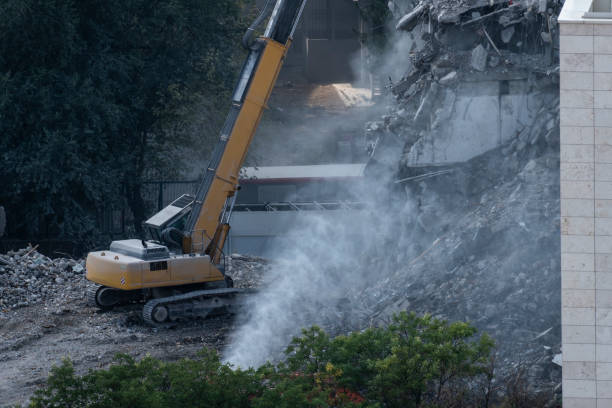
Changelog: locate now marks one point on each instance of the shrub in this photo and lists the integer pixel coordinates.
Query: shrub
(416, 361)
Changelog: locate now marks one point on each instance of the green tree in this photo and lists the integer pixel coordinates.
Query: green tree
(426, 356)
(356, 355)
(96, 95)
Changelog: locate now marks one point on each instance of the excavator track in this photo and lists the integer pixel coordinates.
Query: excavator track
(200, 303)
(106, 298)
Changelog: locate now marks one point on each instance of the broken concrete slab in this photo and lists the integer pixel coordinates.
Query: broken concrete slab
(510, 8)
(448, 78)
(410, 20)
(506, 34)
(426, 103)
(479, 58)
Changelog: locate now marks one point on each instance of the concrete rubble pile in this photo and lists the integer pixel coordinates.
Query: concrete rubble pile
(28, 277)
(484, 228)
(485, 248)
(247, 271)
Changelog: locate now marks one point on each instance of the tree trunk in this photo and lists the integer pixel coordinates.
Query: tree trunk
(134, 188)
(136, 203)
(2, 221)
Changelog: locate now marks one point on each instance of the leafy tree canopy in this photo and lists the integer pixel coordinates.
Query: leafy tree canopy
(96, 95)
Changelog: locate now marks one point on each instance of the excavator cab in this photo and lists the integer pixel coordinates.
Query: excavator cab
(167, 225)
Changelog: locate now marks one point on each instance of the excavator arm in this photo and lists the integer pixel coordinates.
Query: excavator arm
(208, 224)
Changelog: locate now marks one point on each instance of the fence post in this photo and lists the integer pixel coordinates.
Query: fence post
(160, 198)
(2, 221)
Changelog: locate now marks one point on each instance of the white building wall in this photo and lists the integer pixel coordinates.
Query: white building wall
(586, 208)
(265, 233)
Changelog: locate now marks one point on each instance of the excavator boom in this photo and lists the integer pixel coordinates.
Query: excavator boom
(203, 230)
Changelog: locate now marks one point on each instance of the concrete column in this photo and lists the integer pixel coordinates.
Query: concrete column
(586, 213)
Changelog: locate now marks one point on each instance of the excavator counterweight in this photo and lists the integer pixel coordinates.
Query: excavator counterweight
(179, 272)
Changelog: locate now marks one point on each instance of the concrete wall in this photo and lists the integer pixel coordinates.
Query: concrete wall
(586, 213)
(264, 233)
(474, 118)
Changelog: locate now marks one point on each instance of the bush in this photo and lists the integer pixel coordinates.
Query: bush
(417, 361)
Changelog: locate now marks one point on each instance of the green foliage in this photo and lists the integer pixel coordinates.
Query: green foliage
(426, 356)
(417, 361)
(96, 95)
(414, 362)
(149, 383)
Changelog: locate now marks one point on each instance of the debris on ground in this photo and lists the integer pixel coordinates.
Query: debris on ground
(478, 96)
(44, 318)
(247, 271)
(28, 277)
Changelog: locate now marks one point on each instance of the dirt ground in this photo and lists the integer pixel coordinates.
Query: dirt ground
(33, 339)
(56, 323)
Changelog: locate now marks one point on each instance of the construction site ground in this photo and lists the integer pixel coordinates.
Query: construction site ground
(39, 335)
(36, 338)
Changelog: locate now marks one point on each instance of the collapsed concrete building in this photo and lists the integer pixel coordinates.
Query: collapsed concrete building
(507, 97)
(477, 75)
(473, 136)
(461, 215)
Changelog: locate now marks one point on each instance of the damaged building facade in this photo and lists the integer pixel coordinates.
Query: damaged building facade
(474, 126)
(586, 202)
(477, 77)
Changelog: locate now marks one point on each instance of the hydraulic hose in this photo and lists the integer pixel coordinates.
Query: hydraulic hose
(247, 39)
(168, 238)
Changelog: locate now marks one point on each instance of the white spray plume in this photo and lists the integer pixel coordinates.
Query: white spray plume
(326, 260)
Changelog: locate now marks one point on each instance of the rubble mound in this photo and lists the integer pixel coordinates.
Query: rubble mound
(487, 252)
(247, 271)
(474, 126)
(28, 277)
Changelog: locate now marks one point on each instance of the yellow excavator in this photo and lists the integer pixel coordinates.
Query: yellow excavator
(180, 271)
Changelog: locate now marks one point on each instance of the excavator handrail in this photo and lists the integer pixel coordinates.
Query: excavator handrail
(205, 245)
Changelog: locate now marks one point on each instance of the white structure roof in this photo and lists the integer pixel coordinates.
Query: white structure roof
(319, 171)
(574, 12)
